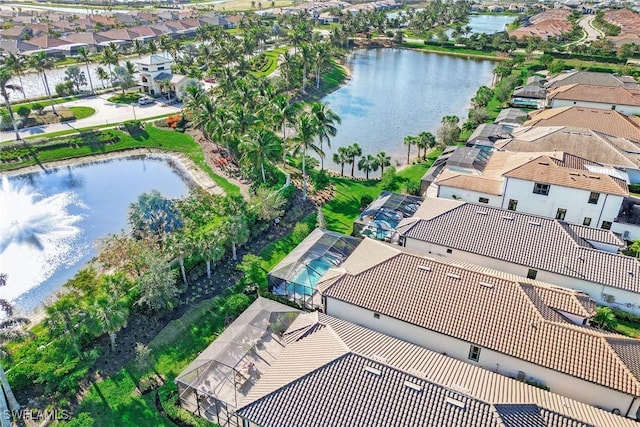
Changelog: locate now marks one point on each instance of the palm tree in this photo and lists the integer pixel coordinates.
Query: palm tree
(5, 76)
(341, 157)
(139, 47)
(10, 330)
(324, 120)
(109, 57)
(605, 318)
(41, 63)
(368, 164)
(321, 57)
(259, 147)
(102, 75)
(84, 56)
(110, 314)
(409, 141)
(383, 161)
(17, 64)
(303, 142)
(210, 246)
(427, 140)
(353, 151)
(236, 231)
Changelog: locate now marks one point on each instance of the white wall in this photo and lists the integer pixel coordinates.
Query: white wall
(624, 300)
(622, 228)
(559, 383)
(446, 192)
(574, 200)
(625, 109)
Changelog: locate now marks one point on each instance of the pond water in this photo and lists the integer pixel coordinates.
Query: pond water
(50, 222)
(489, 24)
(395, 92)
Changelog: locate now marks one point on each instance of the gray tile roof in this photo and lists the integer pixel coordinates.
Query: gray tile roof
(478, 308)
(528, 240)
(589, 78)
(343, 387)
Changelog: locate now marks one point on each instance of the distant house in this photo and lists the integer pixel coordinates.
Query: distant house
(619, 98)
(507, 324)
(590, 78)
(574, 256)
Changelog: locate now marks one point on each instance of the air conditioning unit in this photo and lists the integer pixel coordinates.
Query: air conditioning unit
(608, 298)
(521, 376)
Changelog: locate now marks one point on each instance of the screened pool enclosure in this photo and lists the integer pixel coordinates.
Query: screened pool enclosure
(296, 276)
(380, 219)
(217, 381)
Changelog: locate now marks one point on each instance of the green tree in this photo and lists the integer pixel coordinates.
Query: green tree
(75, 77)
(260, 147)
(83, 56)
(153, 215)
(368, 164)
(268, 204)
(5, 76)
(324, 121)
(17, 64)
(122, 78)
(303, 142)
(253, 272)
(383, 161)
(236, 230)
(605, 319)
(43, 63)
(102, 75)
(409, 140)
(353, 151)
(110, 313)
(482, 97)
(157, 284)
(634, 248)
(340, 157)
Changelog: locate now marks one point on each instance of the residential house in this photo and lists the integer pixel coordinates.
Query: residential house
(519, 328)
(390, 381)
(513, 117)
(570, 255)
(156, 78)
(608, 122)
(485, 135)
(16, 33)
(550, 23)
(626, 101)
(469, 159)
(531, 95)
(590, 78)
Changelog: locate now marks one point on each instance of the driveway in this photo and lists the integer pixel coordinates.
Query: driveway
(106, 113)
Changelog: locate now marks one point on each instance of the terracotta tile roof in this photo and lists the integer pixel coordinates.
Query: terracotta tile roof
(384, 400)
(591, 78)
(45, 42)
(119, 34)
(545, 170)
(596, 146)
(87, 38)
(599, 94)
(479, 310)
(528, 240)
(609, 122)
(471, 182)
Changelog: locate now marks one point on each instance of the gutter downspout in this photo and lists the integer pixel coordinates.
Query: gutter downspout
(631, 406)
(602, 209)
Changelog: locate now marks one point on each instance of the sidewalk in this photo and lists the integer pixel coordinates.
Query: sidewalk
(106, 113)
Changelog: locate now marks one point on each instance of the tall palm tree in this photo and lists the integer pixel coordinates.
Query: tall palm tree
(17, 64)
(259, 147)
(428, 140)
(42, 63)
(368, 164)
(383, 161)
(341, 157)
(324, 120)
(321, 57)
(210, 246)
(353, 151)
(303, 142)
(409, 140)
(139, 47)
(236, 231)
(110, 314)
(109, 57)
(102, 75)
(83, 55)
(5, 76)
(10, 330)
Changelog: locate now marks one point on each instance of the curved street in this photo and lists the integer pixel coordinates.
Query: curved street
(591, 33)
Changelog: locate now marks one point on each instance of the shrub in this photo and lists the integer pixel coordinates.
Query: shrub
(389, 180)
(320, 180)
(300, 231)
(172, 121)
(37, 107)
(365, 201)
(23, 111)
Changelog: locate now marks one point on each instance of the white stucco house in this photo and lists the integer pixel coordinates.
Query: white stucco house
(511, 325)
(553, 251)
(156, 78)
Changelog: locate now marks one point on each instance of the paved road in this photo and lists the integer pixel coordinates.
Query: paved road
(106, 113)
(590, 32)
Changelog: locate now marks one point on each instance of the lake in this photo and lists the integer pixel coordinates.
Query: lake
(396, 92)
(65, 211)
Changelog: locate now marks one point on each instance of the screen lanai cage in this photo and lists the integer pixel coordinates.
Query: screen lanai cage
(296, 276)
(215, 383)
(380, 219)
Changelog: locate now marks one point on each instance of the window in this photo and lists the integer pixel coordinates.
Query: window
(145, 68)
(483, 200)
(606, 225)
(542, 189)
(449, 251)
(561, 214)
(587, 221)
(513, 204)
(593, 198)
(160, 68)
(531, 274)
(474, 353)
(376, 315)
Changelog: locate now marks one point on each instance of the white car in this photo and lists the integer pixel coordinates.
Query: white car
(146, 100)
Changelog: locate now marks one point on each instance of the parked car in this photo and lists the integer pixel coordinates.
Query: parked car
(146, 100)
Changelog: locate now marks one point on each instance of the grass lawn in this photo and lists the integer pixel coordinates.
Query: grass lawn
(126, 98)
(334, 77)
(82, 112)
(450, 51)
(272, 56)
(275, 251)
(630, 329)
(44, 102)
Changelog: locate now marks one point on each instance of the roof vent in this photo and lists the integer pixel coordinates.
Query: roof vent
(460, 404)
(543, 163)
(509, 218)
(486, 285)
(453, 276)
(373, 371)
(534, 223)
(482, 212)
(424, 268)
(413, 386)
(630, 273)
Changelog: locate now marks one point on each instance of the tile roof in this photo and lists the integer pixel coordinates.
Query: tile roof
(609, 122)
(599, 94)
(584, 142)
(359, 396)
(545, 170)
(528, 240)
(589, 78)
(471, 182)
(479, 310)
